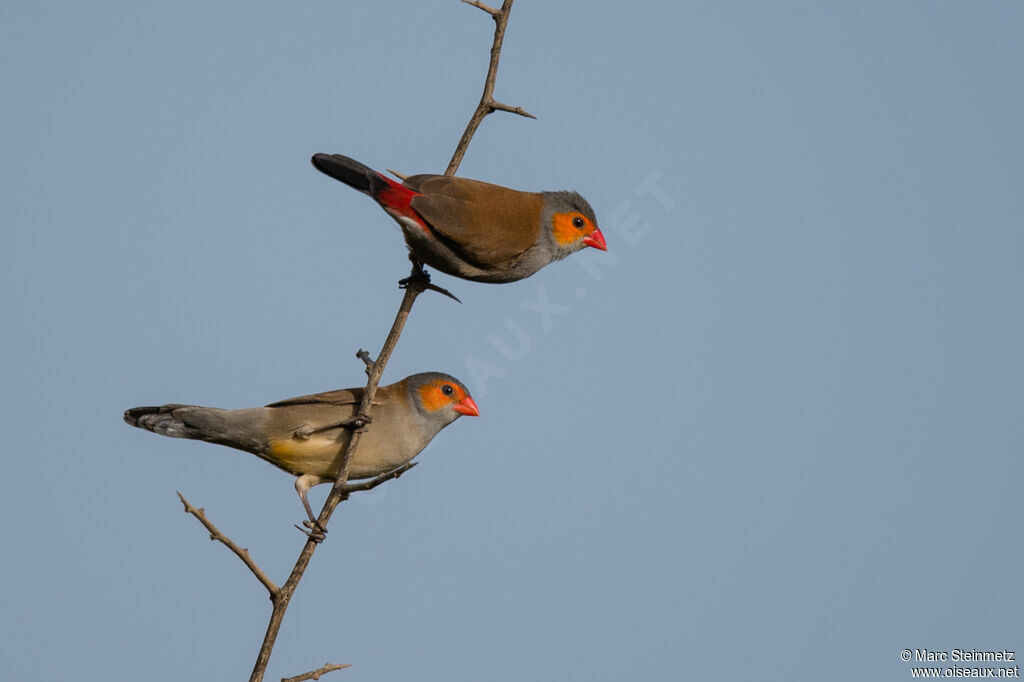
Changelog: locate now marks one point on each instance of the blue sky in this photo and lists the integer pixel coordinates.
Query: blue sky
(775, 432)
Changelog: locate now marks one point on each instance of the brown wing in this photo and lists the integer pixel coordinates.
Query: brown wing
(342, 396)
(493, 225)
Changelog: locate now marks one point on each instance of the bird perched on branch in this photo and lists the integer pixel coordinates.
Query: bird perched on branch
(306, 436)
(472, 229)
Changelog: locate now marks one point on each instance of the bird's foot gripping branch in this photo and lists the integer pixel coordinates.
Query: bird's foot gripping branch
(420, 279)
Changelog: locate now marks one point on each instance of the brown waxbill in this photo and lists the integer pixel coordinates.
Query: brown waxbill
(305, 435)
(472, 229)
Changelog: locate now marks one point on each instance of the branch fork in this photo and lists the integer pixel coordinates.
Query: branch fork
(414, 285)
(240, 552)
(488, 105)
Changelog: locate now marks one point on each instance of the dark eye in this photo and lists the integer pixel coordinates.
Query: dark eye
(447, 389)
(578, 223)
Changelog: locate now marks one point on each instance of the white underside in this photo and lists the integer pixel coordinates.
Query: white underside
(405, 221)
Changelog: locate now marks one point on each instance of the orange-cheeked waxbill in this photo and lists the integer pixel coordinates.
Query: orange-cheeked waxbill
(304, 436)
(472, 229)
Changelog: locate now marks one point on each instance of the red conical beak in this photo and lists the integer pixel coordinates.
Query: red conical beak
(467, 407)
(596, 239)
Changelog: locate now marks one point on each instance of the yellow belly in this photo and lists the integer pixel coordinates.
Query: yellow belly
(316, 456)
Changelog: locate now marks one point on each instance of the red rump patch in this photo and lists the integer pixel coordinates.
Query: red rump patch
(396, 199)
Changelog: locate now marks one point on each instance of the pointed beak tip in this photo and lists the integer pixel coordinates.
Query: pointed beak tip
(596, 240)
(467, 406)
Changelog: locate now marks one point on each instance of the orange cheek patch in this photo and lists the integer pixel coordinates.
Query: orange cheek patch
(432, 398)
(563, 230)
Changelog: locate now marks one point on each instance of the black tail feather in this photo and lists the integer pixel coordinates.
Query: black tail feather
(351, 172)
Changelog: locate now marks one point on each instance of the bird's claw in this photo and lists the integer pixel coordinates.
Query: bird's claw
(421, 278)
(357, 421)
(313, 530)
(418, 274)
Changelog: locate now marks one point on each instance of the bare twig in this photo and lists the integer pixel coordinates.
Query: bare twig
(315, 674)
(479, 5)
(498, 106)
(488, 104)
(374, 482)
(442, 291)
(240, 552)
(414, 285)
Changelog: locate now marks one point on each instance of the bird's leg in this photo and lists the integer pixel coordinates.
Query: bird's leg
(316, 532)
(419, 274)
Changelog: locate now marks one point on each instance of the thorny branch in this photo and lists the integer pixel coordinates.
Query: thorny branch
(339, 491)
(488, 104)
(414, 285)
